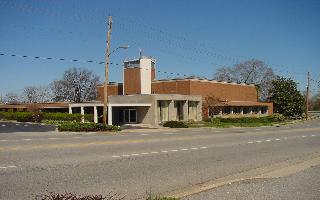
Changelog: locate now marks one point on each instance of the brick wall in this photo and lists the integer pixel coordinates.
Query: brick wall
(112, 90)
(132, 81)
(224, 91)
(171, 87)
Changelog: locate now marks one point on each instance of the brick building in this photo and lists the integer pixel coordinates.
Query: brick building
(141, 98)
(139, 77)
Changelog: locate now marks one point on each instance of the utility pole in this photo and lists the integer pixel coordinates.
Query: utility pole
(106, 81)
(307, 96)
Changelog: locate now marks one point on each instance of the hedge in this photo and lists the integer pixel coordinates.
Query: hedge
(266, 119)
(39, 116)
(175, 124)
(86, 127)
(66, 117)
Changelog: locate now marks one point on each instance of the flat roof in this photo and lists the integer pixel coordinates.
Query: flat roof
(201, 80)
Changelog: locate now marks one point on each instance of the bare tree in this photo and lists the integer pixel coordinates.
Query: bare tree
(77, 85)
(251, 72)
(33, 94)
(213, 105)
(12, 98)
(225, 74)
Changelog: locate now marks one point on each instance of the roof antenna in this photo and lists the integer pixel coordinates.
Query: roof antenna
(140, 53)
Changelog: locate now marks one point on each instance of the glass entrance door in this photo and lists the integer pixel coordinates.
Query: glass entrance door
(130, 115)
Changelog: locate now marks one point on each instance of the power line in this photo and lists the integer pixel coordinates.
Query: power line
(51, 58)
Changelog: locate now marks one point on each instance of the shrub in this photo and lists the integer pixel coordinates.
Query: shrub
(266, 119)
(215, 121)
(67, 117)
(71, 196)
(276, 117)
(86, 127)
(175, 124)
(39, 116)
(21, 116)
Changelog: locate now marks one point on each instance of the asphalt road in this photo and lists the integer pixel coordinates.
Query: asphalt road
(11, 127)
(135, 162)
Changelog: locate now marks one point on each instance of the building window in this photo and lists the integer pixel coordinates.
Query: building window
(236, 110)
(255, 110)
(129, 115)
(246, 110)
(264, 110)
(163, 110)
(226, 110)
(178, 106)
(192, 110)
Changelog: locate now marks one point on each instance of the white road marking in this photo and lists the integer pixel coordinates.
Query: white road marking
(53, 138)
(156, 152)
(3, 140)
(250, 142)
(26, 125)
(313, 135)
(257, 129)
(17, 124)
(268, 140)
(303, 136)
(10, 166)
(277, 139)
(144, 134)
(27, 139)
(3, 125)
(168, 133)
(258, 141)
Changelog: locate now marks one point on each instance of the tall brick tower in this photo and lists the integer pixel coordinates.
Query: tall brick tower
(137, 75)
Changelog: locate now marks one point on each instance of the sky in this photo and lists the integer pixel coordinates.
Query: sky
(189, 37)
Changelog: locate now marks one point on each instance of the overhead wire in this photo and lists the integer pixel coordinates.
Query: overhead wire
(84, 61)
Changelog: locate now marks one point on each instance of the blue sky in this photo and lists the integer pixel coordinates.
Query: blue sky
(186, 37)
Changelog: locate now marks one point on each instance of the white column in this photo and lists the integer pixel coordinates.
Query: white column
(109, 115)
(70, 109)
(185, 111)
(231, 110)
(172, 112)
(82, 113)
(241, 110)
(95, 114)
